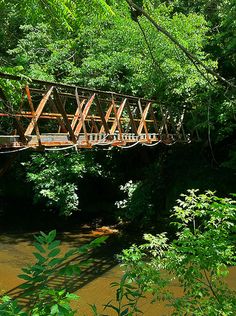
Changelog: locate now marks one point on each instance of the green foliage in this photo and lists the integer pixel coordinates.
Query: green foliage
(42, 54)
(54, 302)
(141, 203)
(126, 292)
(132, 207)
(221, 15)
(9, 307)
(198, 258)
(127, 298)
(55, 175)
(44, 298)
(225, 38)
(118, 57)
(111, 54)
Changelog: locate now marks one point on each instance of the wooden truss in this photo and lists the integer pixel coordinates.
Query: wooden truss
(54, 115)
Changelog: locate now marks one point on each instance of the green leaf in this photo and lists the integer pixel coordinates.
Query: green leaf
(72, 296)
(112, 307)
(40, 239)
(84, 249)
(39, 247)
(54, 244)
(76, 269)
(98, 241)
(25, 277)
(54, 309)
(86, 263)
(39, 278)
(26, 270)
(25, 285)
(54, 262)
(40, 258)
(5, 298)
(54, 252)
(43, 234)
(94, 309)
(70, 253)
(67, 271)
(51, 236)
(63, 310)
(37, 268)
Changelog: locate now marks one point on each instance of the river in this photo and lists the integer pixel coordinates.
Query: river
(93, 286)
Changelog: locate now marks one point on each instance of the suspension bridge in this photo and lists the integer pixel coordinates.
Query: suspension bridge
(57, 115)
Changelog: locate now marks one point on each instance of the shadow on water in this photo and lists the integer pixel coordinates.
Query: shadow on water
(20, 221)
(103, 260)
(74, 238)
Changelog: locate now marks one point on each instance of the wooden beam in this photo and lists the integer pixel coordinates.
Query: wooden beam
(143, 121)
(101, 114)
(38, 112)
(62, 111)
(118, 114)
(59, 118)
(34, 120)
(107, 116)
(77, 113)
(132, 121)
(84, 115)
(80, 112)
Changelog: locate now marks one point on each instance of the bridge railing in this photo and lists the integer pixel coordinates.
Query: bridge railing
(52, 115)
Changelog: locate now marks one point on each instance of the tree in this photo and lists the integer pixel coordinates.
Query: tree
(55, 178)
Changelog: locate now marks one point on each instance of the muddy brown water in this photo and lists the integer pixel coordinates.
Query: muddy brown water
(93, 286)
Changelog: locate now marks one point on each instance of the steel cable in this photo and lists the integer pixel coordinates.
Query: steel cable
(14, 151)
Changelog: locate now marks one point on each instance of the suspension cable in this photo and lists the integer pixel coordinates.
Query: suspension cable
(130, 146)
(152, 145)
(14, 151)
(62, 148)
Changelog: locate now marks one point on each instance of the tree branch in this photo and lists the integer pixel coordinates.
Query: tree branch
(190, 56)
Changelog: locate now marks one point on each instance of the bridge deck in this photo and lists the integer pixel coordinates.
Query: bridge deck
(94, 139)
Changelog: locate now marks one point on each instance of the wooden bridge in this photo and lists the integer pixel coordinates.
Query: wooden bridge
(59, 115)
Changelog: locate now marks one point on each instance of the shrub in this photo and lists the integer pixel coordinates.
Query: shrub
(198, 258)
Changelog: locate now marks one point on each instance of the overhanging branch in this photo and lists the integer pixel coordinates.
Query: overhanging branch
(189, 55)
